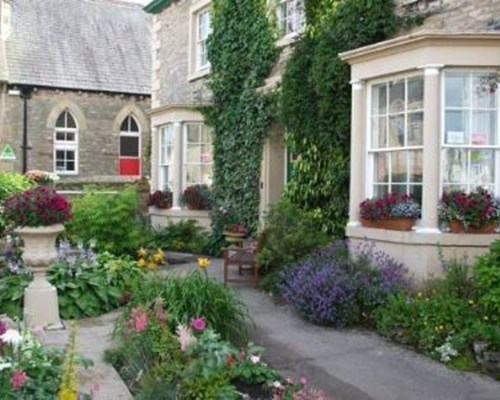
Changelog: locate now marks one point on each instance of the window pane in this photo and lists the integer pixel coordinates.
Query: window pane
(70, 121)
(484, 127)
(70, 166)
(456, 127)
(379, 99)
(415, 93)
(133, 125)
(397, 96)
(70, 155)
(396, 131)
(129, 146)
(193, 133)
(416, 193)
(457, 89)
(60, 136)
(415, 129)
(381, 173)
(415, 165)
(455, 166)
(380, 190)
(482, 164)
(61, 123)
(399, 189)
(379, 132)
(125, 125)
(399, 166)
(483, 97)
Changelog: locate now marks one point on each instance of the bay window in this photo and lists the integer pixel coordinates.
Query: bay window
(396, 137)
(470, 138)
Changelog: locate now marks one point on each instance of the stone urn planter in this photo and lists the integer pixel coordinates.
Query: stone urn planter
(395, 224)
(41, 307)
(457, 226)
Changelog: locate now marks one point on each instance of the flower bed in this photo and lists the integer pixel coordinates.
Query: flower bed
(172, 348)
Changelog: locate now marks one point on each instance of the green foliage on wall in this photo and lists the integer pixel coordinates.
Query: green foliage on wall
(315, 102)
(242, 53)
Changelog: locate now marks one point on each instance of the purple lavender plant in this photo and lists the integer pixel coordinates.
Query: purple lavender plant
(332, 287)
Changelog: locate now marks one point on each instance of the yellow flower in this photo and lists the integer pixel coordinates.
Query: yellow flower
(152, 265)
(142, 252)
(441, 327)
(203, 262)
(486, 318)
(471, 302)
(141, 263)
(159, 256)
(419, 294)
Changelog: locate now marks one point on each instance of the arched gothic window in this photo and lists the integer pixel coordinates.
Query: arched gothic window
(66, 144)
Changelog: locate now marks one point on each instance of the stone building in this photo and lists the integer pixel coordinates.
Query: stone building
(425, 119)
(181, 141)
(78, 72)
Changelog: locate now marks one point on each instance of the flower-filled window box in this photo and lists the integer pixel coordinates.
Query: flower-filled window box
(474, 212)
(197, 197)
(161, 199)
(392, 211)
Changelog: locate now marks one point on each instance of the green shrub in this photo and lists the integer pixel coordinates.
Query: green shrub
(109, 220)
(289, 234)
(86, 287)
(10, 183)
(197, 295)
(487, 280)
(181, 236)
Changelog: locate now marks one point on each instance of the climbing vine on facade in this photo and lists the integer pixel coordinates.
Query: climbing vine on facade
(315, 102)
(242, 53)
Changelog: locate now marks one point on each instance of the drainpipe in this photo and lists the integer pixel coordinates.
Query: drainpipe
(25, 95)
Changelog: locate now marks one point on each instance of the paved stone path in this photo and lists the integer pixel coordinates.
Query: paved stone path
(349, 364)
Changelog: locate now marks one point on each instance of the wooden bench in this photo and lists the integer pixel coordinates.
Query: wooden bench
(244, 258)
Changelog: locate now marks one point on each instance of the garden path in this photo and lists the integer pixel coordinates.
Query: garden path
(352, 364)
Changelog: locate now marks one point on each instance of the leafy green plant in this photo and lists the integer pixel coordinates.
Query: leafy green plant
(487, 281)
(108, 220)
(289, 234)
(11, 294)
(185, 235)
(315, 102)
(242, 52)
(10, 183)
(196, 295)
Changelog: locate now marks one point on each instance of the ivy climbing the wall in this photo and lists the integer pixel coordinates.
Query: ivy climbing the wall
(242, 53)
(315, 102)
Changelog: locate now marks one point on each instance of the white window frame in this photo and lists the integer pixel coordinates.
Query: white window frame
(201, 41)
(298, 19)
(130, 133)
(163, 163)
(195, 70)
(469, 146)
(66, 145)
(185, 162)
(370, 152)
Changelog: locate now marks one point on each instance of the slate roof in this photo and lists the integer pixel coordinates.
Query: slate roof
(100, 45)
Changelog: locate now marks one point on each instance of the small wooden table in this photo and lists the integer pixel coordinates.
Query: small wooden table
(244, 258)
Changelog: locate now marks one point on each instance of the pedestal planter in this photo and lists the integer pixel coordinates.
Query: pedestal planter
(41, 308)
(457, 226)
(396, 224)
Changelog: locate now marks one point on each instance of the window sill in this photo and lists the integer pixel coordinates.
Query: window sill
(289, 39)
(198, 74)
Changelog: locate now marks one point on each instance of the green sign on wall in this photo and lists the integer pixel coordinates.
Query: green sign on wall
(7, 153)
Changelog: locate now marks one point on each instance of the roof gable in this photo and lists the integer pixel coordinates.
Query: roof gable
(80, 44)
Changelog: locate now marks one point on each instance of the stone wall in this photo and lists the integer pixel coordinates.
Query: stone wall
(171, 58)
(450, 16)
(98, 116)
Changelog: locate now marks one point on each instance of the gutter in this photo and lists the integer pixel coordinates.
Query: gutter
(156, 6)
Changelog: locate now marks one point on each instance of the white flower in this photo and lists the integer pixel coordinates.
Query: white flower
(255, 359)
(12, 337)
(5, 366)
(277, 385)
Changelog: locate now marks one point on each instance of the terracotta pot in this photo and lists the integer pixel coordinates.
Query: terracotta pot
(395, 224)
(457, 226)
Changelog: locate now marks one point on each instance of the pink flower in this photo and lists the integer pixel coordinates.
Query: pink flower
(198, 324)
(138, 320)
(17, 379)
(185, 337)
(161, 316)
